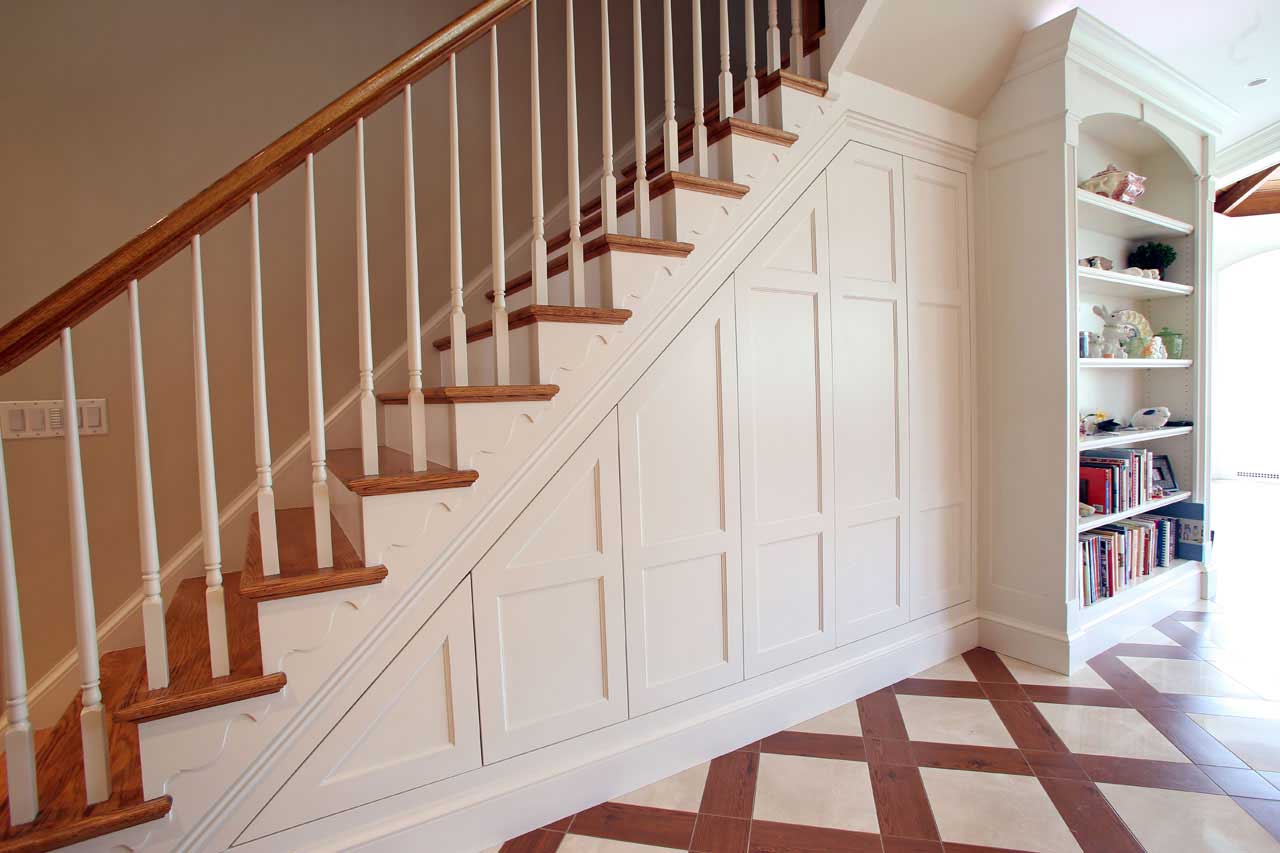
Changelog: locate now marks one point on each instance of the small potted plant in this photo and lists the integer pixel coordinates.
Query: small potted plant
(1157, 256)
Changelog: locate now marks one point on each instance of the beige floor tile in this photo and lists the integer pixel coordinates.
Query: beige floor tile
(586, 844)
(816, 792)
(682, 792)
(1183, 821)
(1256, 742)
(840, 721)
(1121, 732)
(945, 720)
(1152, 637)
(954, 669)
(1186, 676)
(1029, 673)
(996, 810)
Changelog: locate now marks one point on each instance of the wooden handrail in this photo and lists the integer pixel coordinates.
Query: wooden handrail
(40, 325)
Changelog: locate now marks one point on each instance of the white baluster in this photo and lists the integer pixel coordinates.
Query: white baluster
(751, 86)
(457, 313)
(501, 344)
(608, 181)
(670, 130)
(773, 40)
(153, 632)
(797, 37)
(538, 245)
(315, 386)
(413, 316)
(640, 190)
(214, 599)
(267, 541)
(19, 740)
(577, 271)
(699, 98)
(726, 74)
(368, 405)
(93, 716)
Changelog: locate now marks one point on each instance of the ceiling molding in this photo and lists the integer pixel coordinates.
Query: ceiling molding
(1240, 159)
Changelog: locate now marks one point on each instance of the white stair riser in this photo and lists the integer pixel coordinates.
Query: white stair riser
(789, 109)
(743, 160)
(689, 216)
(457, 432)
(537, 351)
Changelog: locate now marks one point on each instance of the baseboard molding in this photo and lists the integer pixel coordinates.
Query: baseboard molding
(1024, 641)
(483, 808)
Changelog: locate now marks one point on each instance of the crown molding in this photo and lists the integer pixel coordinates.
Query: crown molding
(1256, 151)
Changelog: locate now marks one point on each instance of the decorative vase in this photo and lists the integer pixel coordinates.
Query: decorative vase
(1172, 342)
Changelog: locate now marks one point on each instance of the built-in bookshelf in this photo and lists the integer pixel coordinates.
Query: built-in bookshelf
(1109, 283)
(1124, 438)
(1090, 522)
(1134, 363)
(1127, 221)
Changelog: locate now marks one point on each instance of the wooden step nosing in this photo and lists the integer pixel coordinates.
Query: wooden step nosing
(87, 828)
(668, 181)
(531, 314)
(739, 127)
(636, 245)
(205, 696)
(473, 394)
(419, 481)
(293, 586)
(790, 80)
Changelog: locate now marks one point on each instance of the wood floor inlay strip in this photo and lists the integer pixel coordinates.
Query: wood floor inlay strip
(1096, 827)
(730, 790)
(881, 716)
(637, 824)
(902, 805)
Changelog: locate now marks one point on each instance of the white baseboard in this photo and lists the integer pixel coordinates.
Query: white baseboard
(483, 808)
(1021, 640)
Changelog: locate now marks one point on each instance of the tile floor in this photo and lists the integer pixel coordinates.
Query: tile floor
(1169, 741)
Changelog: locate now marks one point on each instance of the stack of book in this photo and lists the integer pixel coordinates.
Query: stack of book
(1115, 556)
(1116, 479)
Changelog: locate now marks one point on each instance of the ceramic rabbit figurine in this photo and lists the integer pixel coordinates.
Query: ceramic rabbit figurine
(1114, 333)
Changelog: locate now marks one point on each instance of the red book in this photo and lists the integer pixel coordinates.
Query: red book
(1095, 488)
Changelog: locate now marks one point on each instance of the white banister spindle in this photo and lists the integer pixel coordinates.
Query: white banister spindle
(501, 343)
(750, 85)
(608, 181)
(413, 316)
(699, 97)
(214, 599)
(266, 497)
(797, 37)
(19, 739)
(670, 130)
(537, 245)
(577, 267)
(640, 189)
(368, 405)
(153, 632)
(93, 716)
(315, 386)
(457, 313)
(726, 74)
(773, 40)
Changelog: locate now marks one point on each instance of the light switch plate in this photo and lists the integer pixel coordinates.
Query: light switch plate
(47, 419)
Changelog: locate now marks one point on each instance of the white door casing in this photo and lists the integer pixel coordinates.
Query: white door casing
(869, 380)
(678, 446)
(941, 411)
(417, 724)
(549, 610)
(784, 387)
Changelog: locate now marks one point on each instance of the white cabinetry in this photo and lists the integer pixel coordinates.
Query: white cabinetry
(869, 349)
(678, 445)
(784, 384)
(549, 614)
(941, 407)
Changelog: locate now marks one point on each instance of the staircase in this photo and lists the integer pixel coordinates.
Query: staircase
(433, 455)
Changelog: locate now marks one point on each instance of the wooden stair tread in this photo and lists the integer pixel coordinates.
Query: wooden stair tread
(600, 245)
(476, 394)
(395, 473)
(191, 682)
(668, 181)
(531, 314)
(783, 77)
(741, 127)
(299, 574)
(64, 817)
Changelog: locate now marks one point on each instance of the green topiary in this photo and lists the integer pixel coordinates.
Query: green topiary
(1153, 256)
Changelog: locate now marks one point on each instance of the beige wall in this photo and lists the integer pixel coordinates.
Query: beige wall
(121, 111)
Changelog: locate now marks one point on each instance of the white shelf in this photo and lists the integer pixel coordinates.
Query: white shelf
(1092, 521)
(1098, 213)
(1110, 283)
(1134, 363)
(1120, 439)
(1162, 576)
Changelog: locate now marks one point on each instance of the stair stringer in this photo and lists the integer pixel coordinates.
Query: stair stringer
(330, 669)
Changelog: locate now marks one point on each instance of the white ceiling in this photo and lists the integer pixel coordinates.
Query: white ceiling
(955, 52)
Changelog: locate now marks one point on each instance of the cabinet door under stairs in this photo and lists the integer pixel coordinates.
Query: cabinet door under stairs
(548, 610)
(784, 386)
(678, 442)
(869, 351)
(937, 233)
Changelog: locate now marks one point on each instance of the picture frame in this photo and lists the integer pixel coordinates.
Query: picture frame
(1162, 474)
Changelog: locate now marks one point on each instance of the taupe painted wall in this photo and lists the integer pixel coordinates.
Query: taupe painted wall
(118, 112)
